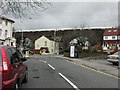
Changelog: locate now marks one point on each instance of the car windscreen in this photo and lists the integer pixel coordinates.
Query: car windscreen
(117, 53)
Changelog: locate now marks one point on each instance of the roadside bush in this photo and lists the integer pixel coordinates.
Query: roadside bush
(67, 50)
(79, 48)
(85, 51)
(99, 48)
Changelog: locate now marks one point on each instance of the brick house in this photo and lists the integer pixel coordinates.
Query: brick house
(111, 39)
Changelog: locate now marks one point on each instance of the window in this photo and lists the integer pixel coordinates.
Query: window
(13, 50)
(5, 33)
(11, 43)
(6, 22)
(115, 31)
(52, 50)
(106, 37)
(15, 58)
(10, 53)
(113, 44)
(113, 37)
(19, 54)
(52, 44)
(45, 43)
(105, 44)
(14, 55)
(0, 20)
(2, 43)
(0, 32)
(109, 30)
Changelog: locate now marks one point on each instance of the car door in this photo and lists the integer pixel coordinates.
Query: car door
(14, 63)
(22, 65)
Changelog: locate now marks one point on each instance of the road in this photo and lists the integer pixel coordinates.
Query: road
(49, 72)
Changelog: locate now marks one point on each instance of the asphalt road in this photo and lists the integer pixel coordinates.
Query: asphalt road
(50, 72)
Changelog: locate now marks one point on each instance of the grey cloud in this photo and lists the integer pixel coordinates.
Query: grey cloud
(73, 14)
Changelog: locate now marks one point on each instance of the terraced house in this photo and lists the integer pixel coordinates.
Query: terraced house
(111, 39)
(6, 32)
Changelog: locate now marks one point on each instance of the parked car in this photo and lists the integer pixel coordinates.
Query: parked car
(114, 58)
(13, 70)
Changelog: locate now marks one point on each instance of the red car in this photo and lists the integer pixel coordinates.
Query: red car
(13, 70)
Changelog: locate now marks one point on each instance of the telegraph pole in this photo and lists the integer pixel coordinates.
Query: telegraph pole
(21, 42)
(55, 41)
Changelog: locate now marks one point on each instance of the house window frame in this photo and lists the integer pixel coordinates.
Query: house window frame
(52, 50)
(114, 30)
(1, 20)
(0, 32)
(45, 43)
(109, 30)
(113, 37)
(52, 44)
(106, 37)
(6, 33)
(114, 44)
(6, 22)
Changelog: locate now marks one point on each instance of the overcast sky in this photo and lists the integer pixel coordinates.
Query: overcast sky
(73, 14)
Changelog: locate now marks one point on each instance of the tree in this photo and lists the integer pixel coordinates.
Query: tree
(82, 26)
(21, 9)
(82, 41)
(27, 43)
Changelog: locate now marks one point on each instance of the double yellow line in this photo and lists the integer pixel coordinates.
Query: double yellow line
(93, 69)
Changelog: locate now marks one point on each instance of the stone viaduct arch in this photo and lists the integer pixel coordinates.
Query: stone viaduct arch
(95, 35)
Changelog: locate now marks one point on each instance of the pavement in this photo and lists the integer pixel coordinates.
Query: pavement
(99, 65)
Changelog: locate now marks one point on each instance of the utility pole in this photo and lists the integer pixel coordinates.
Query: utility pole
(55, 41)
(21, 41)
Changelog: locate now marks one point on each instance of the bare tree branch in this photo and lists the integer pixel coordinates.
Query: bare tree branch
(21, 9)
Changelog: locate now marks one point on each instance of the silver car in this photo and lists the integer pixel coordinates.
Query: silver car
(114, 58)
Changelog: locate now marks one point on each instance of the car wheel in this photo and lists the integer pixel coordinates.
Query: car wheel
(25, 80)
(115, 64)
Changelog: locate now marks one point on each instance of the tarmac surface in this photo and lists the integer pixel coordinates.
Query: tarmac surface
(100, 65)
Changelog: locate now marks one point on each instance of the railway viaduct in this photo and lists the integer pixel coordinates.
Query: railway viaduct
(94, 35)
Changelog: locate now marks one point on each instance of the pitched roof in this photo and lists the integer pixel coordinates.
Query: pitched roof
(5, 18)
(57, 39)
(112, 31)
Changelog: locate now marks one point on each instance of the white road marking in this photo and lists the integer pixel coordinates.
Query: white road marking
(51, 66)
(73, 85)
(43, 61)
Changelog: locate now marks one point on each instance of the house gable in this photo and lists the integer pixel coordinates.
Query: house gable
(43, 42)
(43, 38)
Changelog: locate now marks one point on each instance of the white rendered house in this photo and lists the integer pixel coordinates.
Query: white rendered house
(6, 32)
(48, 44)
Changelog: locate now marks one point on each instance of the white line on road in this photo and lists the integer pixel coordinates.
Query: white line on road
(43, 61)
(73, 85)
(51, 66)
